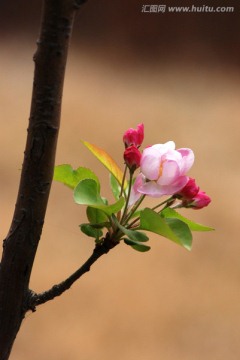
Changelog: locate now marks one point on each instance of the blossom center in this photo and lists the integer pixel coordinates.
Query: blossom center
(161, 169)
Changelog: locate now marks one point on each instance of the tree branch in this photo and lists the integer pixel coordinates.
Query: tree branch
(35, 299)
(21, 243)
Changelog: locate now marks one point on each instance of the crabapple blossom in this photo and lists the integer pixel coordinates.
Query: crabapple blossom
(134, 136)
(164, 169)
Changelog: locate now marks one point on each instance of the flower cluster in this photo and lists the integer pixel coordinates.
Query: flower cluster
(163, 171)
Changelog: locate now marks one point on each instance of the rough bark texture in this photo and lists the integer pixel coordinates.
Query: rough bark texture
(21, 243)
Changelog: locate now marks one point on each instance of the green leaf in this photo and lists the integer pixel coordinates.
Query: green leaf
(69, 177)
(89, 230)
(96, 216)
(137, 246)
(113, 208)
(182, 231)
(131, 234)
(107, 161)
(176, 231)
(105, 201)
(116, 188)
(87, 193)
(170, 213)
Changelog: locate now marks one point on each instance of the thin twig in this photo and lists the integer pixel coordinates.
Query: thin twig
(35, 299)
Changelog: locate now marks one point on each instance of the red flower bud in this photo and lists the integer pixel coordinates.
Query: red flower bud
(190, 190)
(200, 200)
(134, 136)
(132, 157)
(192, 197)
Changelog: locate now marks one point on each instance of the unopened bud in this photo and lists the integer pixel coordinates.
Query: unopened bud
(132, 157)
(134, 136)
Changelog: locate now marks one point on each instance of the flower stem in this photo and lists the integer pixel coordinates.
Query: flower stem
(138, 203)
(128, 195)
(167, 202)
(123, 181)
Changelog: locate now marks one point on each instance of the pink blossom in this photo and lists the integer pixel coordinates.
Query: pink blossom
(134, 136)
(132, 157)
(164, 169)
(190, 190)
(200, 200)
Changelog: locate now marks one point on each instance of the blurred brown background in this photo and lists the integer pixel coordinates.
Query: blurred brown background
(179, 74)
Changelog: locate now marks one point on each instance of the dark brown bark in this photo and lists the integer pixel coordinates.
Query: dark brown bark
(21, 243)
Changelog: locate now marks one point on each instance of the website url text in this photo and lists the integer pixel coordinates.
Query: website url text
(186, 9)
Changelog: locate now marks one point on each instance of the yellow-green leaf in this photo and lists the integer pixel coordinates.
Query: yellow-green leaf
(106, 160)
